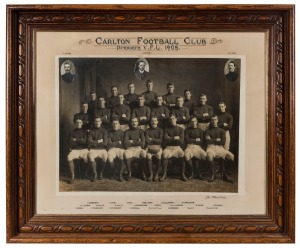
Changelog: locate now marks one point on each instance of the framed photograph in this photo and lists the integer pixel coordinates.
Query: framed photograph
(140, 124)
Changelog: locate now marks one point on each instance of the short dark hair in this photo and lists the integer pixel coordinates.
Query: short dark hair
(202, 95)
(169, 84)
(130, 84)
(149, 81)
(92, 92)
(114, 86)
(186, 90)
(231, 62)
(115, 119)
(222, 103)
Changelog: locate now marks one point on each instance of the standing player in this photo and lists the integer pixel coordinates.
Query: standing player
(78, 146)
(115, 148)
(122, 113)
(134, 141)
(173, 139)
(203, 113)
(84, 116)
(103, 112)
(97, 143)
(149, 95)
(131, 98)
(182, 113)
(225, 122)
(215, 139)
(170, 97)
(160, 111)
(142, 113)
(92, 105)
(188, 102)
(194, 140)
(153, 137)
(113, 101)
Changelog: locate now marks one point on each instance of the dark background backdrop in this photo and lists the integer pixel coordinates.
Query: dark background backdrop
(200, 75)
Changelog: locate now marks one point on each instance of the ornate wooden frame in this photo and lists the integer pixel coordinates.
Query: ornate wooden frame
(23, 225)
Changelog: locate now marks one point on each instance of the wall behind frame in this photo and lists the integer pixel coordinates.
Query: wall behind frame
(200, 75)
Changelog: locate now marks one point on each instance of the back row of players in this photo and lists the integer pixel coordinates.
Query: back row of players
(150, 126)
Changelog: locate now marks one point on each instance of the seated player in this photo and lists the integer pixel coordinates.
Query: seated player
(182, 113)
(131, 98)
(142, 113)
(194, 140)
(97, 143)
(113, 100)
(225, 122)
(149, 95)
(215, 139)
(134, 141)
(153, 138)
(84, 116)
(115, 148)
(203, 113)
(122, 113)
(160, 111)
(103, 112)
(78, 146)
(173, 139)
(170, 97)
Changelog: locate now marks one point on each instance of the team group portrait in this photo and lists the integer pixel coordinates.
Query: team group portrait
(149, 124)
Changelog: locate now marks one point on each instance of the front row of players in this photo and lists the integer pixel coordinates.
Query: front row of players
(123, 147)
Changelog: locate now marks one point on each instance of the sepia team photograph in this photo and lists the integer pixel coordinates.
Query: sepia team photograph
(165, 124)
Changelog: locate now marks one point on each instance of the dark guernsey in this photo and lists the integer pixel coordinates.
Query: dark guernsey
(135, 134)
(190, 104)
(112, 101)
(182, 114)
(115, 139)
(170, 99)
(81, 139)
(131, 100)
(224, 117)
(149, 97)
(203, 109)
(212, 134)
(170, 133)
(104, 114)
(140, 112)
(119, 111)
(156, 135)
(95, 135)
(191, 134)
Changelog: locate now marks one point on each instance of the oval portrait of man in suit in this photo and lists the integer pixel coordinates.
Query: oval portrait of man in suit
(231, 70)
(141, 69)
(67, 71)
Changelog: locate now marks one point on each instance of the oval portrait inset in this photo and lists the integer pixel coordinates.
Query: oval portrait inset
(67, 71)
(141, 69)
(231, 70)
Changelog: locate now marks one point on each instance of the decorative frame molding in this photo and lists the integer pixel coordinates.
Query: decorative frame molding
(23, 225)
